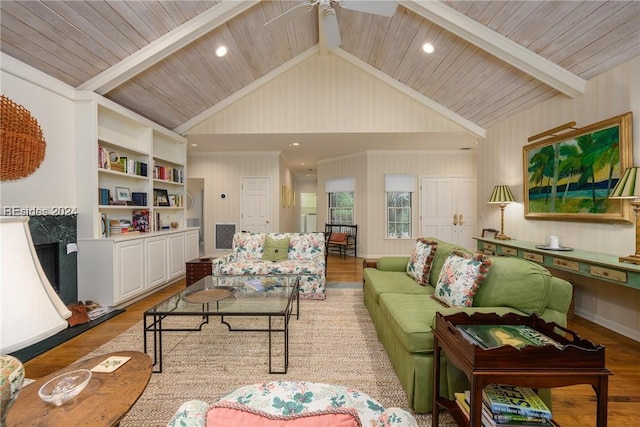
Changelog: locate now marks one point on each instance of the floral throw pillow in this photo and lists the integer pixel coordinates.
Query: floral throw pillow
(460, 278)
(419, 265)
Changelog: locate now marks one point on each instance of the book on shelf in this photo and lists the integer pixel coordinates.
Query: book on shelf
(463, 403)
(498, 419)
(518, 336)
(508, 399)
(141, 220)
(139, 198)
(166, 173)
(104, 195)
(176, 200)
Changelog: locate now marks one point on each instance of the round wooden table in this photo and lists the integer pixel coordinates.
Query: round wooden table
(104, 402)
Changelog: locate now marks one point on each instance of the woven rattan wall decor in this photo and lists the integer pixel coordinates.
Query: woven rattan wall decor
(23, 146)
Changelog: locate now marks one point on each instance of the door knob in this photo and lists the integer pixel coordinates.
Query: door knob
(460, 220)
(455, 219)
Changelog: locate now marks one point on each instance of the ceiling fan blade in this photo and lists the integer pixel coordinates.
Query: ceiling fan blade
(289, 15)
(330, 27)
(382, 7)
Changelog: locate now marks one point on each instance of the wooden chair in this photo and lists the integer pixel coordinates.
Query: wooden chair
(342, 238)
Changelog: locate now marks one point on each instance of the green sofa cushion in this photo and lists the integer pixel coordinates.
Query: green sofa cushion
(380, 282)
(393, 263)
(443, 251)
(409, 316)
(275, 250)
(516, 283)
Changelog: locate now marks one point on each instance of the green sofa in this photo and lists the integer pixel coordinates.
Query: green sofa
(404, 311)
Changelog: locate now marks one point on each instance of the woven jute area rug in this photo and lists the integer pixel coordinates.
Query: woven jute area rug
(334, 341)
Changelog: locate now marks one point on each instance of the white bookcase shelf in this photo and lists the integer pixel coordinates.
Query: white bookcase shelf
(113, 269)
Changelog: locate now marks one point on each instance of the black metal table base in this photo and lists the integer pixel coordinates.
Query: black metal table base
(156, 328)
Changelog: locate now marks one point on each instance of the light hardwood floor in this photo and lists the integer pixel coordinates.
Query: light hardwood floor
(573, 406)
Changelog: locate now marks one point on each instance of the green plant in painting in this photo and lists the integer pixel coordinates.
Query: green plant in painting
(582, 170)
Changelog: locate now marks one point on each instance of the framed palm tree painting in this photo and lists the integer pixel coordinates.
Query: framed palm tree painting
(569, 177)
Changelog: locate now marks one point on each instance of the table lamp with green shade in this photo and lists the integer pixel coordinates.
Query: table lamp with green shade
(628, 187)
(501, 195)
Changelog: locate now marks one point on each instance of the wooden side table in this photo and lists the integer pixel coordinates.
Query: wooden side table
(534, 367)
(104, 402)
(197, 269)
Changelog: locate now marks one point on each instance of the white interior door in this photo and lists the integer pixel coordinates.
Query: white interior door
(256, 205)
(467, 211)
(443, 201)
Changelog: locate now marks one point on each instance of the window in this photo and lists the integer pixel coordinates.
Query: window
(399, 189)
(341, 207)
(340, 191)
(398, 214)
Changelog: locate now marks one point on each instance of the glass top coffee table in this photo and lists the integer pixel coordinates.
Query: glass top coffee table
(270, 297)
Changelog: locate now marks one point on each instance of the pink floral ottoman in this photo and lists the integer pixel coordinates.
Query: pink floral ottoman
(295, 403)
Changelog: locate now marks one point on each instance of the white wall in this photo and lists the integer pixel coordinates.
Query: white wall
(500, 161)
(311, 99)
(51, 103)
(222, 173)
(369, 169)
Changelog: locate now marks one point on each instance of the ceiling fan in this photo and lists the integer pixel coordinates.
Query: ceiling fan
(327, 15)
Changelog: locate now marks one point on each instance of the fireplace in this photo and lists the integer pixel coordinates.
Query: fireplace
(50, 263)
(54, 237)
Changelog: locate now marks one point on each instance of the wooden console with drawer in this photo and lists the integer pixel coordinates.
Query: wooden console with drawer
(584, 263)
(197, 269)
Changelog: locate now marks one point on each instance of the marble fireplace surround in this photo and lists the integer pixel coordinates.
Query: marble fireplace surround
(60, 230)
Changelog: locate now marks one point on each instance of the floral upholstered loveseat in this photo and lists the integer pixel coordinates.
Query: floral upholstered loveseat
(289, 403)
(305, 257)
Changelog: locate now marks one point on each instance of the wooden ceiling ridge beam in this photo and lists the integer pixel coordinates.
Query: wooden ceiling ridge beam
(498, 45)
(184, 128)
(166, 45)
(468, 125)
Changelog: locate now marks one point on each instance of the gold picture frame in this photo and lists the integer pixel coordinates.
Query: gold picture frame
(283, 196)
(569, 177)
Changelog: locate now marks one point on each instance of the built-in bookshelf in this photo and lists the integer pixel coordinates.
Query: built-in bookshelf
(130, 160)
(128, 242)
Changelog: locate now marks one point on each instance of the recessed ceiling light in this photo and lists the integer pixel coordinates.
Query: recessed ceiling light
(302, 163)
(428, 47)
(194, 145)
(221, 51)
(294, 144)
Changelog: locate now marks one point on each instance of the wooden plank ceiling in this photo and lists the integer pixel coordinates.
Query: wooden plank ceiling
(492, 59)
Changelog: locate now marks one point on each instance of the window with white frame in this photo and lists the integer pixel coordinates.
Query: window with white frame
(398, 214)
(341, 200)
(341, 207)
(399, 189)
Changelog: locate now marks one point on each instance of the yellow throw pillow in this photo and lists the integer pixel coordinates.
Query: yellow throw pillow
(275, 250)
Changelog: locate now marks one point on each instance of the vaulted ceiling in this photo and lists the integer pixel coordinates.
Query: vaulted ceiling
(492, 59)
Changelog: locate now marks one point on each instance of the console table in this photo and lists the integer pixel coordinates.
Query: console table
(584, 263)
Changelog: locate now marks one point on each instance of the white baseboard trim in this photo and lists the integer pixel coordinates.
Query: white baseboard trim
(606, 323)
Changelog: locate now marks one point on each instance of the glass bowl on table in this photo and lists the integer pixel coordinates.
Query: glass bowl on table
(65, 387)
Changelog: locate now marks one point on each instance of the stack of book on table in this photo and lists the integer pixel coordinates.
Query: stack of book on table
(518, 336)
(506, 405)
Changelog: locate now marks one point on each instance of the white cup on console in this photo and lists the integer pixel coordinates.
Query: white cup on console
(554, 242)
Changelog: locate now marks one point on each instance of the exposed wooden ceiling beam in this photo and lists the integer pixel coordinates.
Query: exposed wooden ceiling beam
(498, 45)
(166, 45)
(469, 126)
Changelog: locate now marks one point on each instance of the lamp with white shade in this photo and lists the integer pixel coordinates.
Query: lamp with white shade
(628, 187)
(30, 309)
(501, 196)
